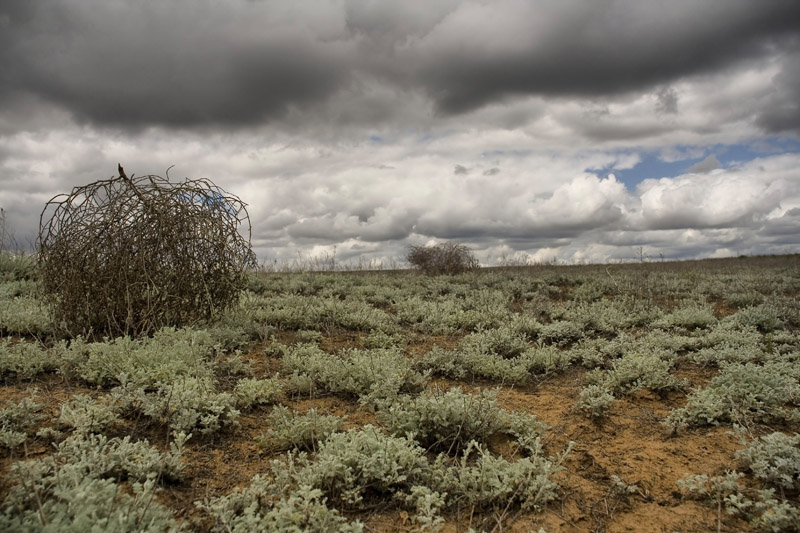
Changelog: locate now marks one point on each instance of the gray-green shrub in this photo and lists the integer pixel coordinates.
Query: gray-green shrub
(448, 421)
(289, 430)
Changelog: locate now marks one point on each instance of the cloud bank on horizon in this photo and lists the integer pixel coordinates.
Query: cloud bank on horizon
(535, 130)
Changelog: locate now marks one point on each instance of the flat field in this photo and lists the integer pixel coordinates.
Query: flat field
(657, 396)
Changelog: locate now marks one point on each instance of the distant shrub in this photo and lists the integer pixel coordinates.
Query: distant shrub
(442, 258)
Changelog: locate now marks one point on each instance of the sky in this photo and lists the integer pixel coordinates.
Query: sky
(532, 131)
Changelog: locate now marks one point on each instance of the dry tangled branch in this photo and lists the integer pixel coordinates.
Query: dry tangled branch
(131, 255)
(442, 258)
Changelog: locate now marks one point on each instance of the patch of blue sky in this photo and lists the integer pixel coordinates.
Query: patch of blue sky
(653, 165)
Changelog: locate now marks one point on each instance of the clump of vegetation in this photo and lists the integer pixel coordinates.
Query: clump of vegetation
(289, 430)
(374, 376)
(595, 401)
(356, 468)
(472, 363)
(636, 371)
(182, 404)
(127, 256)
(494, 483)
(170, 354)
(250, 392)
(25, 360)
(743, 394)
(442, 258)
(87, 415)
(262, 507)
(765, 510)
(449, 421)
(17, 421)
(775, 460)
(688, 317)
(78, 489)
(446, 454)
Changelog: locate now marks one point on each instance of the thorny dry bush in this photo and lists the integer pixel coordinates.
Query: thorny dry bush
(131, 255)
(442, 258)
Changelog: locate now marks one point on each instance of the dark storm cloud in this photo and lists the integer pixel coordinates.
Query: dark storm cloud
(782, 111)
(593, 48)
(176, 63)
(188, 63)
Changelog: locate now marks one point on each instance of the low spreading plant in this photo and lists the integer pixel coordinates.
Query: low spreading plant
(26, 316)
(775, 460)
(764, 317)
(99, 456)
(493, 483)
(689, 317)
(562, 332)
(373, 376)
(289, 430)
(261, 507)
(250, 392)
(761, 508)
(17, 421)
(461, 364)
(25, 360)
(594, 401)
(742, 393)
(76, 489)
(186, 404)
(84, 414)
(169, 354)
(356, 468)
(449, 421)
(380, 339)
(502, 341)
(636, 371)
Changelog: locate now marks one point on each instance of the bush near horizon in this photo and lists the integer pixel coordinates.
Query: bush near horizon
(442, 258)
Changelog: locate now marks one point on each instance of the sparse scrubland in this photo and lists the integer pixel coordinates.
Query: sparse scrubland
(555, 398)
